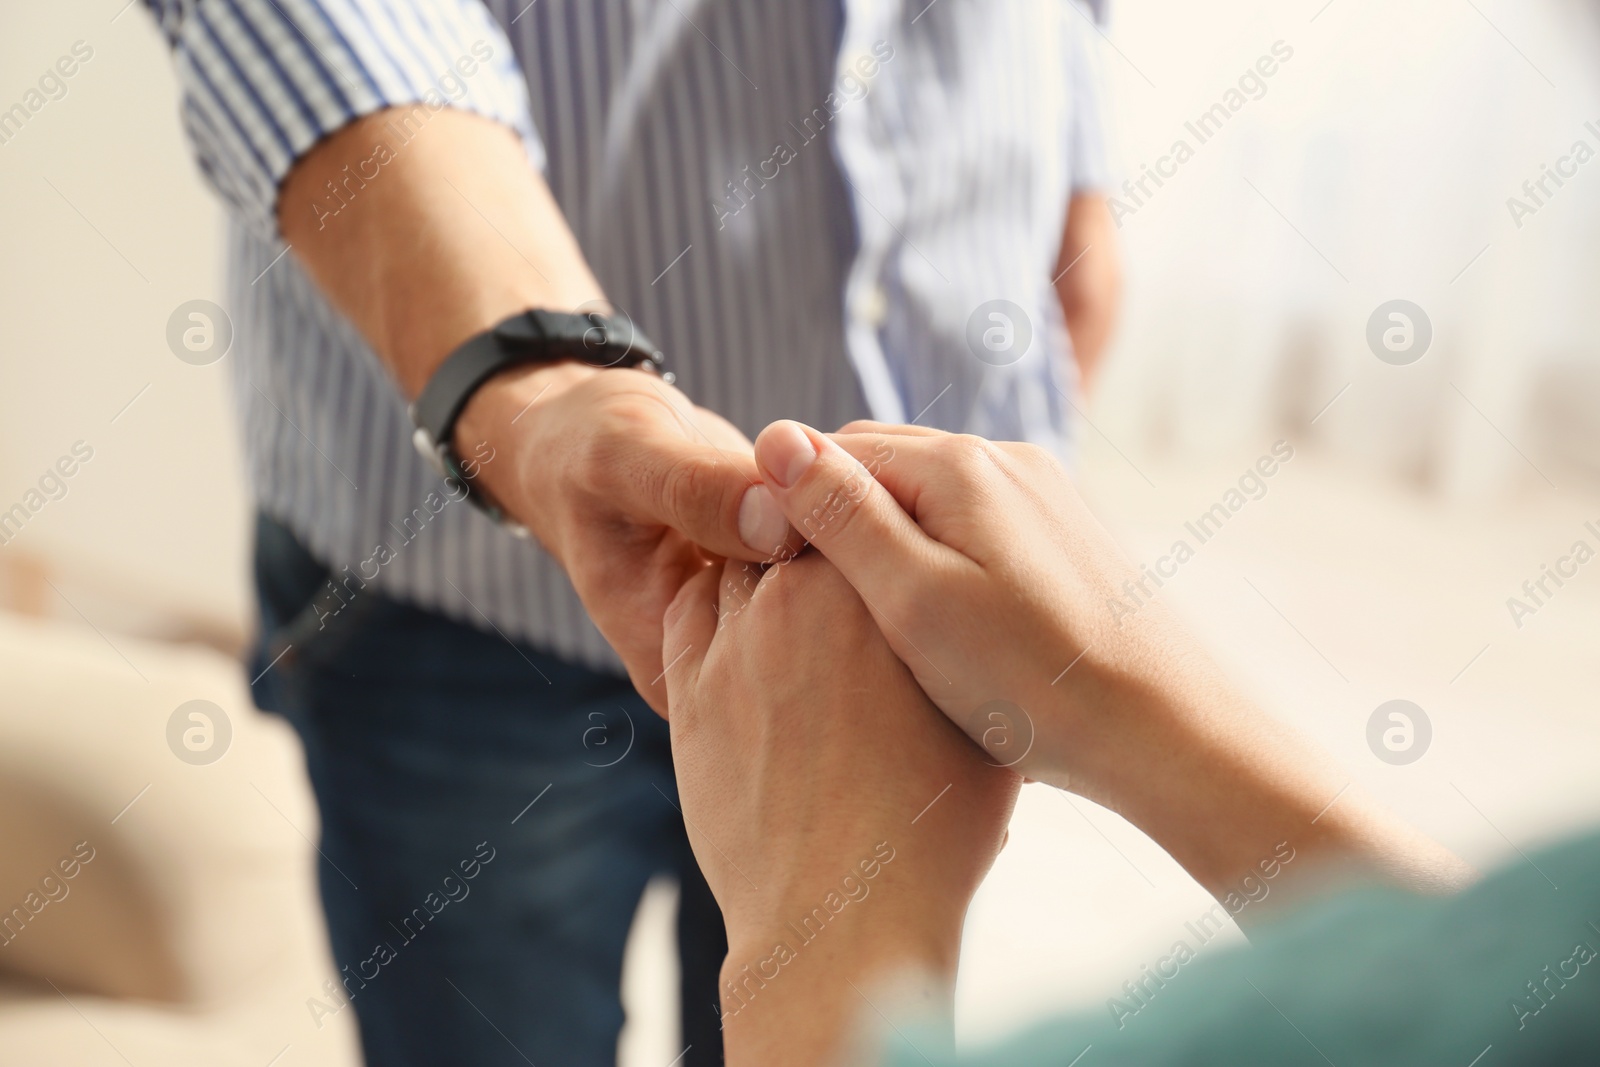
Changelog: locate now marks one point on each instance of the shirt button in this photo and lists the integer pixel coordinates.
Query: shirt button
(873, 306)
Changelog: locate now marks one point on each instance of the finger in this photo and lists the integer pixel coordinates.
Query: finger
(636, 613)
(762, 531)
(891, 428)
(711, 495)
(902, 464)
(687, 628)
(948, 483)
(837, 505)
(738, 586)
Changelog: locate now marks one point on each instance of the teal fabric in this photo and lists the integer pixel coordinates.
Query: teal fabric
(1508, 971)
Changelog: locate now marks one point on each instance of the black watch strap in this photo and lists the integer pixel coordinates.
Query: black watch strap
(528, 337)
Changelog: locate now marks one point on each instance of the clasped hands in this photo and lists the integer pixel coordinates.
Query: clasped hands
(851, 725)
(882, 696)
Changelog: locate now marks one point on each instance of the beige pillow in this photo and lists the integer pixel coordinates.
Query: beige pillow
(127, 870)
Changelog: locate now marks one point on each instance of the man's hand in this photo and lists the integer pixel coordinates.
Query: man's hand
(618, 475)
(841, 821)
(629, 485)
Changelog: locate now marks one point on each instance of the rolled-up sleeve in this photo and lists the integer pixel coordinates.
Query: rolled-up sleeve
(262, 81)
(1087, 150)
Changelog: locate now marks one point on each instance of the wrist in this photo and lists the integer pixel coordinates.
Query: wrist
(1213, 780)
(790, 1001)
(496, 433)
(1243, 803)
(859, 951)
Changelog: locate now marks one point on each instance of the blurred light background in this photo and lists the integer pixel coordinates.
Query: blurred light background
(1375, 165)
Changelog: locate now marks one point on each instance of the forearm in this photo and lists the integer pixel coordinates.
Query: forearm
(453, 231)
(1091, 318)
(1089, 281)
(1249, 808)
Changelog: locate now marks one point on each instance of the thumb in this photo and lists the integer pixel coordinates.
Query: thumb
(837, 505)
(695, 474)
(713, 497)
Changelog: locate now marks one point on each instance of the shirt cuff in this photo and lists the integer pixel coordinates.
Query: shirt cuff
(262, 81)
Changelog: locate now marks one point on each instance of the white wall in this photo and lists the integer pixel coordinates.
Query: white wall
(1390, 141)
(84, 301)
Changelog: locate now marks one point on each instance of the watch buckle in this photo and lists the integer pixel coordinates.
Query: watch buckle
(424, 444)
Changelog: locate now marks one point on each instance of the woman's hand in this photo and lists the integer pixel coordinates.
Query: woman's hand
(842, 822)
(989, 578)
(1025, 624)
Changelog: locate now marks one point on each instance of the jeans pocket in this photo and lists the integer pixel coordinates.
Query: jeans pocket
(293, 590)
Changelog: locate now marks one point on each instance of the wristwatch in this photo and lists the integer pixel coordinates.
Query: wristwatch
(528, 337)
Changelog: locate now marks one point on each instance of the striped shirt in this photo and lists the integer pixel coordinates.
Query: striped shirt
(807, 204)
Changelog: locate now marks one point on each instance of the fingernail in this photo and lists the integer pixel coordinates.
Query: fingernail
(784, 452)
(762, 524)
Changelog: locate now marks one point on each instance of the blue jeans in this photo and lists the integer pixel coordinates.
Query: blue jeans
(490, 816)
